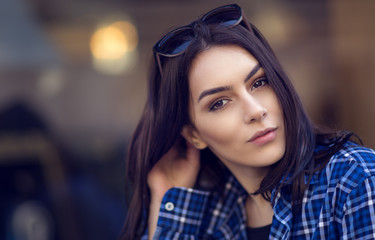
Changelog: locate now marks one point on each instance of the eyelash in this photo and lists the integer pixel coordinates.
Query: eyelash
(263, 82)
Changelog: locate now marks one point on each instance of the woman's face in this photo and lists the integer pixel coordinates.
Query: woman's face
(235, 112)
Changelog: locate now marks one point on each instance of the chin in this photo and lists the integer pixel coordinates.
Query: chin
(273, 154)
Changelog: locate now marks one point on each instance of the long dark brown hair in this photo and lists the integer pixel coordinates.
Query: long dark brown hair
(166, 112)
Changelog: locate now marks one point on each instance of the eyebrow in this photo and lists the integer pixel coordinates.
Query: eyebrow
(226, 88)
(252, 73)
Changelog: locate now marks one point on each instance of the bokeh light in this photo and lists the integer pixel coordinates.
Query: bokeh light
(114, 47)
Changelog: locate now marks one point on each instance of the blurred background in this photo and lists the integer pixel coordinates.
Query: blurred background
(73, 85)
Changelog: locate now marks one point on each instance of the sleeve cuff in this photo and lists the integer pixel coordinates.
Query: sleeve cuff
(182, 210)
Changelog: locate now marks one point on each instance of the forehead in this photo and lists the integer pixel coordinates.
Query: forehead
(220, 65)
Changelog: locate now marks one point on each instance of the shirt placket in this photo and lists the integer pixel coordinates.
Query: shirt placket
(282, 220)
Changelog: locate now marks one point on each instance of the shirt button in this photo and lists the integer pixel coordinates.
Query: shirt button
(216, 212)
(169, 206)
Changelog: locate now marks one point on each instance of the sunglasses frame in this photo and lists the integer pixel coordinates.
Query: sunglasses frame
(157, 47)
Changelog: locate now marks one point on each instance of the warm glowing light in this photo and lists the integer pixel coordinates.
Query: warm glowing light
(113, 47)
(130, 33)
(108, 43)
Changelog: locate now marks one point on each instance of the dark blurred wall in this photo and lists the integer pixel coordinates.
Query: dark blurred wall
(353, 38)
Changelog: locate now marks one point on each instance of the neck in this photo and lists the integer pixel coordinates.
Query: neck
(250, 178)
(259, 211)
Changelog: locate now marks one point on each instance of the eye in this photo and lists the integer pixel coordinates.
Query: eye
(217, 105)
(259, 83)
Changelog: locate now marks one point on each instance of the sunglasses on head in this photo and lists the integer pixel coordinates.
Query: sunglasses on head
(178, 40)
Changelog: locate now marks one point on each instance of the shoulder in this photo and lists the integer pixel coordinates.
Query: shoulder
(343, 194)
(354, 156)
(350, 166)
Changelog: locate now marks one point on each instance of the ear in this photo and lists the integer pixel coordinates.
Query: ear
(192, 136)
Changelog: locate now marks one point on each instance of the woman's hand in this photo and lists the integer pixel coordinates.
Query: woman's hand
(174, 170)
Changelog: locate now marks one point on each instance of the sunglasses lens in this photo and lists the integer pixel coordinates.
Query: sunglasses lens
(226, 16)
(176, 41)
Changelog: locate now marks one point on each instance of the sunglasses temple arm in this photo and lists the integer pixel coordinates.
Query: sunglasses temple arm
(157, 61)
(244, 19)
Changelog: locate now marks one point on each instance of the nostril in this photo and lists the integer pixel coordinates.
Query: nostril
(263, 115)
(259, 116)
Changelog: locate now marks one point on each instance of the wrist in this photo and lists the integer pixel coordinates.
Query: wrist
(157, 196)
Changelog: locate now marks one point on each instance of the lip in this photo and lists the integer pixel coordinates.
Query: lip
(264, 136)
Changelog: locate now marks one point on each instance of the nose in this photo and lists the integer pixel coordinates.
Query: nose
(254, 110)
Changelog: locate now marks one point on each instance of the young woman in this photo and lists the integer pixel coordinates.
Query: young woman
(224, 149)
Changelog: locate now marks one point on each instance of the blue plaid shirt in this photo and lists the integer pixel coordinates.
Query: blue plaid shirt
(339, 204)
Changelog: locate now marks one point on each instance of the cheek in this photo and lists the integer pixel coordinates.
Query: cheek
(273, 106)
(217, 130)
